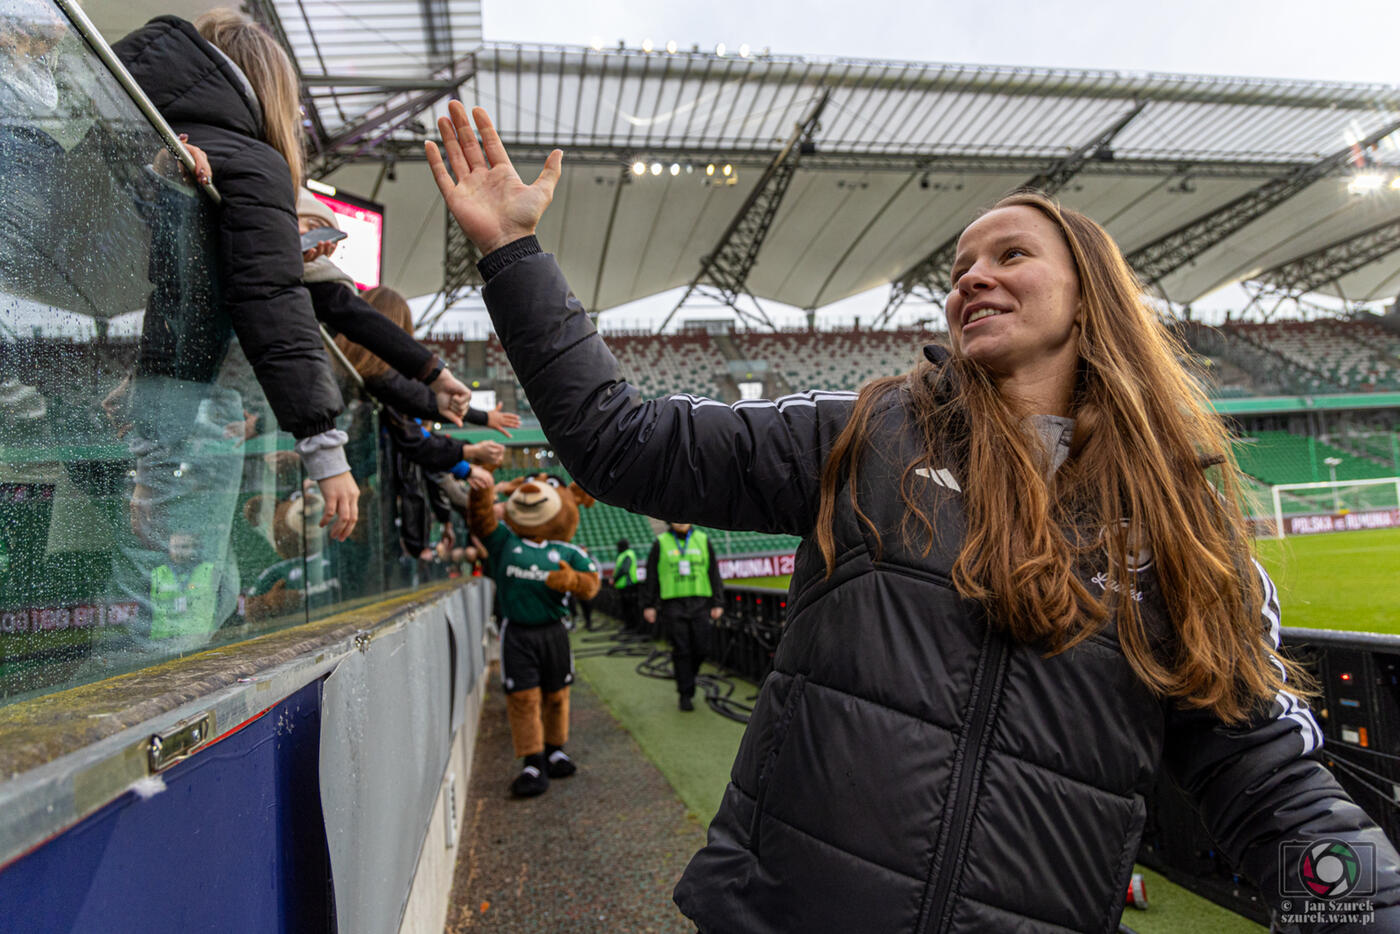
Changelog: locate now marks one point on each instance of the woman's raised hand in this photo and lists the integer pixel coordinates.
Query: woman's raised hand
(488, 199)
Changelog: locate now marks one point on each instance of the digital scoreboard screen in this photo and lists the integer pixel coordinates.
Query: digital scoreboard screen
(361, 253)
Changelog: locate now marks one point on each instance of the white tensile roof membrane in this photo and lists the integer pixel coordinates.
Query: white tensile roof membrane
(905, 153)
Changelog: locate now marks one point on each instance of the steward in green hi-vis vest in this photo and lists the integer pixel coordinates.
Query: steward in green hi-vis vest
(625, 570)
(182, 605)
(683, 567)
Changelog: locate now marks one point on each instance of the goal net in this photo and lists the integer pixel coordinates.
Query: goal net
(1328, 506)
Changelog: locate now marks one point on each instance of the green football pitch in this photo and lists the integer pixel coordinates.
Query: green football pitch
(1341, 580)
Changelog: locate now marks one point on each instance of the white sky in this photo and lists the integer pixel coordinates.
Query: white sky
(1355, 41)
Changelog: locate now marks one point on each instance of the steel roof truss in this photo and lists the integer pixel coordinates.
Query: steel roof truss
(1170, 252)
(726, 268)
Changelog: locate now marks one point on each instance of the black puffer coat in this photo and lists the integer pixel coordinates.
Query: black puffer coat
(199, 92)
(907, 767)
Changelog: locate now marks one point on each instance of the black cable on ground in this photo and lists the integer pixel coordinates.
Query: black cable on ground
(656, 663)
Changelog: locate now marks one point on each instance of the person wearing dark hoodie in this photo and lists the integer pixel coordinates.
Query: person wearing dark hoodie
(419, 381)
(226, 83)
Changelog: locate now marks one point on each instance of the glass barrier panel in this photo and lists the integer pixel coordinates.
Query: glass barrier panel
(148, 505)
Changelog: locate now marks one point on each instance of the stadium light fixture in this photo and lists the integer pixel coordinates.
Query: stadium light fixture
(597, 44)
(639, 168)
(647, 45)
(1395, 183)
(671, 47)
(710, 169)
(1366, 183)
(656, 168)
(744, 50)
(728, 170)
(719, 49)
(675, 168)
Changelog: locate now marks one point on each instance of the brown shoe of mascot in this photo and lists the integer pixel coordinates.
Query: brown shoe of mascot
(535, 566)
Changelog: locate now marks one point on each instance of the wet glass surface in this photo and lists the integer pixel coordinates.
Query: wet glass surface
(148, 505)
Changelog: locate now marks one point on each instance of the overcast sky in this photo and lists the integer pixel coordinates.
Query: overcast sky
(1355, 41)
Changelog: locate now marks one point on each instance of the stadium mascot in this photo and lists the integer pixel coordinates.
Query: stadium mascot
(534, 565)
(304, 574)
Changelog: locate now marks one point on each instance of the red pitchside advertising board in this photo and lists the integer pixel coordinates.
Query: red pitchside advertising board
(765, 566)
(1343, 522)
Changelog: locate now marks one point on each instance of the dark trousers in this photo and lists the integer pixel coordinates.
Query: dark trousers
(630, 603)
(687, 625)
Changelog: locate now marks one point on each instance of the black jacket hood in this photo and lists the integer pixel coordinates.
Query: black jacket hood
(189, 80)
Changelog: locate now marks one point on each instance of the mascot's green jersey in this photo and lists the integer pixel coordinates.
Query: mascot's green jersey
(519, 568)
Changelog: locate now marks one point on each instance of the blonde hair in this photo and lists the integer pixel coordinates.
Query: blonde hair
(391, 305)
(271, 74)
(1143, 431)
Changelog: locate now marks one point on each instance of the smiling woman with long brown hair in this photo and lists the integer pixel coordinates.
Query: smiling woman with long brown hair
(1024, 590)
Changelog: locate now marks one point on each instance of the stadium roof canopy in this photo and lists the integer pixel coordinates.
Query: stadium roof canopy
(1204, 180)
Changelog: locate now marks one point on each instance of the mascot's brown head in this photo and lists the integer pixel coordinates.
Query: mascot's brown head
(543, 507)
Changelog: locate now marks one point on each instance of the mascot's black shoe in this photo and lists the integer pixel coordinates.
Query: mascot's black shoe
(559, 764)
(532, 779)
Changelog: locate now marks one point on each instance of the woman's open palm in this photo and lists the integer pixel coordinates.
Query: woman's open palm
(488, 199)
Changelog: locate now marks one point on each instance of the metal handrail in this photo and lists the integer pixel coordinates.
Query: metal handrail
(143, 103)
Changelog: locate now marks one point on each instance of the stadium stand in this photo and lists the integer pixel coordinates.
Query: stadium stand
(835, 359)
(1346, 356)
(665, 364)
(1276, 457)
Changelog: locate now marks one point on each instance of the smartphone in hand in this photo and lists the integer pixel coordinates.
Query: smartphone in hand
(319, 235)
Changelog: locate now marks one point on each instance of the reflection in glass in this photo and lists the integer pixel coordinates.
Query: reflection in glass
(148, 505)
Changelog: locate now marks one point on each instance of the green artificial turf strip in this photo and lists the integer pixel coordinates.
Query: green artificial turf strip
(1174, 910)
(695, 751)
(780, 582)
(1338, 580)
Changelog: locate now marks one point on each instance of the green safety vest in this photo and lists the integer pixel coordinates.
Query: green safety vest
(668, 565)
(629, 576)
(179, 609)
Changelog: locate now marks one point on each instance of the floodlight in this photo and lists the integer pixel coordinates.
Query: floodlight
(639, 168)
(719, 50)
(656, 168)
(597, 44)
(646, 45)
(671, 47)
(728, 169)
(1366, 183)
(1395, 183)
(675, 168)
(744, 50)
(710, 169)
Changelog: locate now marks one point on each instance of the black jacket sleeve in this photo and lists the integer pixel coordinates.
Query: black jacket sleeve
(260, 255)
(344, 312)
(651, 587)
(408, 396)
(716, 581)
(433, 452)
(1263, 795)
(751, 465)
(476, 416)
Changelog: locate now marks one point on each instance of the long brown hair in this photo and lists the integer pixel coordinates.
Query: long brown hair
(271, 74)
(391, 305)
(1135, 477)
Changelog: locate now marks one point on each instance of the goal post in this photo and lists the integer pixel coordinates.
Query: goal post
(1340, 505)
